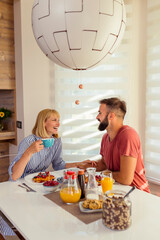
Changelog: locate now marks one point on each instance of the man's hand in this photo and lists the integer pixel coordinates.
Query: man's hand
(90, 163)
(99, 164)
(85, 164)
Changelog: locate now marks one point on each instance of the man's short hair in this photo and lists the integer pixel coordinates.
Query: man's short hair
(115, 104)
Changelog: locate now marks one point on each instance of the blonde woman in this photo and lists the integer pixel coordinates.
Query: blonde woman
(32, 155)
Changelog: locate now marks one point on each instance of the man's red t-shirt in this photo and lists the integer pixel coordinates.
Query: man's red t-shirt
(125, 143)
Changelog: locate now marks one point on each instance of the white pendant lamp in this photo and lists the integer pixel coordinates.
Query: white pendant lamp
(78, 34)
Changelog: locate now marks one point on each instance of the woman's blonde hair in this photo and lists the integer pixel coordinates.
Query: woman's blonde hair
(39, 128)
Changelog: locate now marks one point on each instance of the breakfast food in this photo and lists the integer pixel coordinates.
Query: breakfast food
(60, 179)
(43, 177)
(98, 179)
(92, 204)
(51, 183)
(86, 203)
(116, 213)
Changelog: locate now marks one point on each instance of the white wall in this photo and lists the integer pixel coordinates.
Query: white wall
(34, 72)
(137, 105)
(37, 75)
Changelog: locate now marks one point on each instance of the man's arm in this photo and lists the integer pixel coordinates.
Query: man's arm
(100, 165)
(127, 169)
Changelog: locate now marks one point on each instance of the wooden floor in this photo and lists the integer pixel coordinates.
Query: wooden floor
(154, 188)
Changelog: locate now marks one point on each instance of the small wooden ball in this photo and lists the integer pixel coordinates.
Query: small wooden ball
(77, 102)
(81, 86)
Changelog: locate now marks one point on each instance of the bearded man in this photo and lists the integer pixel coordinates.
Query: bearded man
(120, 150)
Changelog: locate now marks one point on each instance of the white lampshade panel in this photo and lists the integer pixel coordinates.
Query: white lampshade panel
(78, 34)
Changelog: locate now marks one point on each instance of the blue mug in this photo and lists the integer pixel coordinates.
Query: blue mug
(48, 142)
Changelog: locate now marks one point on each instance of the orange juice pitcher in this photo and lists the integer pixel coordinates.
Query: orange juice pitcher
(70, 190)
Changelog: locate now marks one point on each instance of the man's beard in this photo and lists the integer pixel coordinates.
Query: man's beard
(103, 125)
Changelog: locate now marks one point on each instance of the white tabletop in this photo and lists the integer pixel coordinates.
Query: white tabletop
(36, 217)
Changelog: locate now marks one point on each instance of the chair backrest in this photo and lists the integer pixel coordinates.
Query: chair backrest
(1, 237)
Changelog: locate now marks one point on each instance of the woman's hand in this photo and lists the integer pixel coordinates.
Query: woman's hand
(19, 166)
(86, 164)
(91, 163)
(98, 164)
(36, 146)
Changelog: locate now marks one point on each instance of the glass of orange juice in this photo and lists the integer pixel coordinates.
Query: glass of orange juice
(107, 181)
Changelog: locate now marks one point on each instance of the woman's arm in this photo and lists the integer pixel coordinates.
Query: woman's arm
(20, 165)
(72, 165)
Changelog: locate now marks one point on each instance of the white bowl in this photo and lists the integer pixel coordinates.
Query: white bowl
(51, 188)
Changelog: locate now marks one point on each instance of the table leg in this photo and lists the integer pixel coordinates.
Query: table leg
(12, 226)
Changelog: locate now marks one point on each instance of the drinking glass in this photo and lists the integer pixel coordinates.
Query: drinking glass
(107, 181)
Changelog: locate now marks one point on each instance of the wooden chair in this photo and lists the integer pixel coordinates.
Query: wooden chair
(1, 237)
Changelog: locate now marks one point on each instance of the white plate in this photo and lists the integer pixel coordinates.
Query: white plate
(87, 210)
(29, 178)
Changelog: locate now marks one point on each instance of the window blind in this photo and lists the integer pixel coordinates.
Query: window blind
(79, 128)
(152, 146)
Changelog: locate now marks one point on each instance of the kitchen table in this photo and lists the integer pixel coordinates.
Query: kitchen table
(36, 217)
